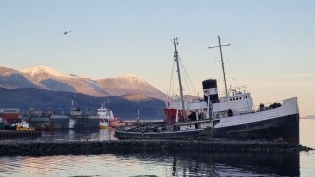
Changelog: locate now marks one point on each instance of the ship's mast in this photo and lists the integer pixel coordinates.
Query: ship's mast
(138, 112)
(226, 94)
(175, 42)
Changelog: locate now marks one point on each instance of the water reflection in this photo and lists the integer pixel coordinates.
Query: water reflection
(79, 135)
(155, 164)
(224, 164)
(161, 164)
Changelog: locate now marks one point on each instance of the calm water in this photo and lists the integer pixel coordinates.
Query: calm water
(162, 164)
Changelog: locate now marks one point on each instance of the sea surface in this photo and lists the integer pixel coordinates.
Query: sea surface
(162, 164)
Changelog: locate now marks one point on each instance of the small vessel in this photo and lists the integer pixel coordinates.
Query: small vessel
(2, 124)
(116, 122)
(107, 118)
(71, 123)
(23, 126)
(228, 114)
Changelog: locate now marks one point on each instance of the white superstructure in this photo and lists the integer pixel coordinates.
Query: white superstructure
(105, 115)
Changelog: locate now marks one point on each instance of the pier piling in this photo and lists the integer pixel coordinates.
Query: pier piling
(14, 134)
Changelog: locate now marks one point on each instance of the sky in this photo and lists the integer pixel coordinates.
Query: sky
(271, 52)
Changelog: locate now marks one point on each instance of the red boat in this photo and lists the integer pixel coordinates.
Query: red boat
(116, 122)
(107, 118)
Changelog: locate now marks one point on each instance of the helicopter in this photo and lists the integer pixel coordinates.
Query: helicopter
(66, 32)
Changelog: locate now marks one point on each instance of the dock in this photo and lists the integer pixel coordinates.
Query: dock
(14, 134)
(31, 148)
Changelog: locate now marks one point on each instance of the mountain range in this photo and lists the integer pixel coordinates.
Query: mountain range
(125, 107)
(43, 77)
(42, 87)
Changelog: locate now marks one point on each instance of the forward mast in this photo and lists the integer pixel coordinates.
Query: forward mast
(175, 42)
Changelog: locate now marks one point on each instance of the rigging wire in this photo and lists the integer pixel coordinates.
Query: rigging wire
(214, 61)
(221, 84)
(189, 87)
(188, 91)
(220, 70)
(186, 75)
(172, 78)
(232, 76)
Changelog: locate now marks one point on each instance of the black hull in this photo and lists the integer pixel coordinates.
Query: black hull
(8, 127)
(282, 129)
(86, 123)
(285, 128)
(61, 123)
(191, 134)
(80, 122)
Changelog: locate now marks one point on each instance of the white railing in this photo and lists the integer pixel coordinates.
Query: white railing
(256, 108)
(235, 90)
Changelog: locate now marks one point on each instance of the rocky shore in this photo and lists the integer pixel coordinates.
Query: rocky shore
(132, 146)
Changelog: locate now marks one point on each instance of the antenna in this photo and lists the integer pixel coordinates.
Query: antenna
(138, 112)
(108, 100)
(226, 94)
(175, 42)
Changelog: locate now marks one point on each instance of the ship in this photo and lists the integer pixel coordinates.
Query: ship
(226, 114)
(76, 119)
(107, 118)
(40, 120)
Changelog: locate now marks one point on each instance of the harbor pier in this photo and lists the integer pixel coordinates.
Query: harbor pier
(14, 134)
(31, 148)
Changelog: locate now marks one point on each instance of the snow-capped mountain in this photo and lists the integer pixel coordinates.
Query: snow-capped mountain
(11, 79)
(129, 84)
(44, 77)
(37, 71)
(58, 81)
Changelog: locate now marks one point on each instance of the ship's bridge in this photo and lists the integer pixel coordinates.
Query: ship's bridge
(238, 100)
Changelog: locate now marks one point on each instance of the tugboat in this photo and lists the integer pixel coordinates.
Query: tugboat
(23, 126)
(230, 114)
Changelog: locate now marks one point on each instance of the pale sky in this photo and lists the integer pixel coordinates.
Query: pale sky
(272, 41)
